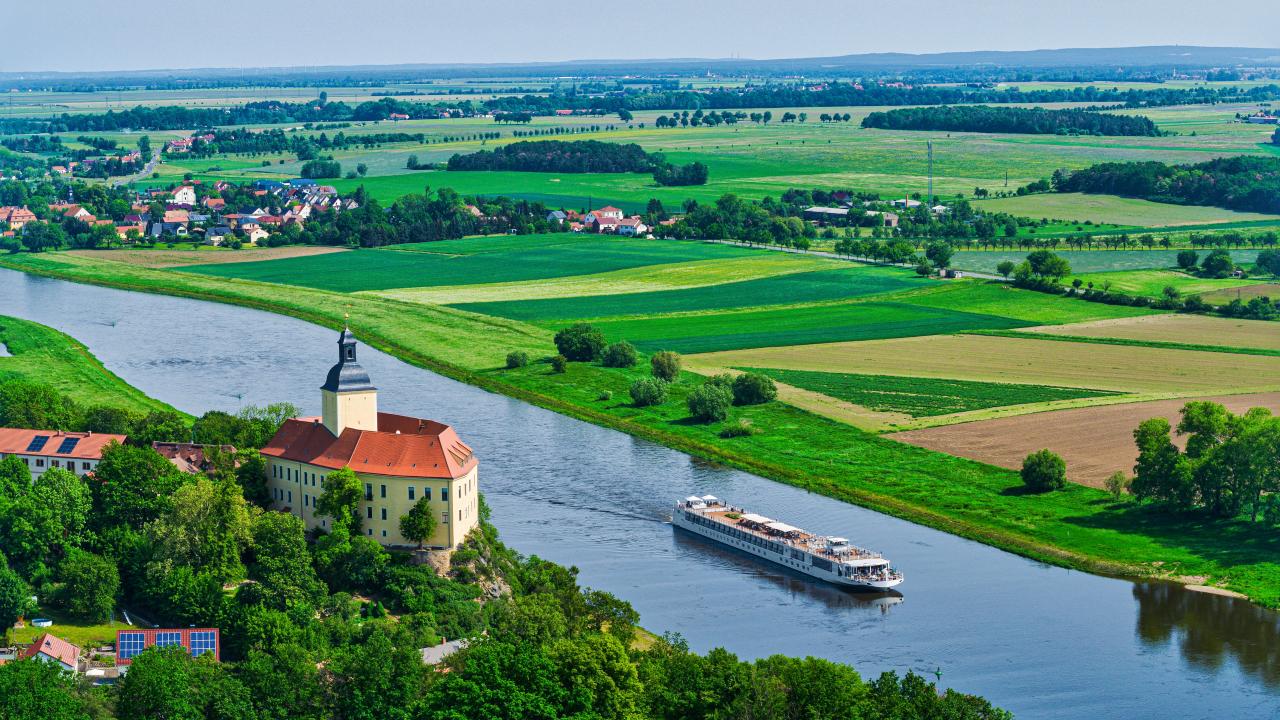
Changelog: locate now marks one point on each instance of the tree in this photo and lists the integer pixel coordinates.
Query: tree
(207, 527)
(158, 426)
(753, 389)
(665, 365)
(1116, 484)
(1005, 268)
(517, 359)
(619, 355)
(1269, 259)
(559, 363)
(134, 486)
(648, 391)
(419, 524)
(166, 683)
(283, 681)
(1161, 472)
(709, 402)
(27, 404)
(1217, 264)
(1187, 259)
(15, 598)
(1047, 264)
(939, 253)
(91, 584)
(1044, 470)
(580, 342)
(15, 478)
(282, 563)
(104, 419)
(35, 690)
(376, 678)
(340, 500)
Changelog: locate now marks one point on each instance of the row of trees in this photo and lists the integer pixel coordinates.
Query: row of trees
(578, 156)
(1239, 183)
(984, 118)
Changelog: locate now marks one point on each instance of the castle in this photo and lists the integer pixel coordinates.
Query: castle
(399, 460)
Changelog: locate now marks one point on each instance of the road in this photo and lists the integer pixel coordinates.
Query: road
(144, 173)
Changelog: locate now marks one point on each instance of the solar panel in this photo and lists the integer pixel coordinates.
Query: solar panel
(68, 444)
(165, 639)
(203, 642)
(37, 443)
(131, 644)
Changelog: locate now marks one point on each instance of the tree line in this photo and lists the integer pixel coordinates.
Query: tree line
(984, 118)
(1237, 183)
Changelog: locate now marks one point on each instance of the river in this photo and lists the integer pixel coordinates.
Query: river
(1041, 641)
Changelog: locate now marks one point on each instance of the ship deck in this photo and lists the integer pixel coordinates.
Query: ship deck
(798, 539)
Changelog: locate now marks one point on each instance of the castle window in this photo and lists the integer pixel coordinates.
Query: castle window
(444, 494)
(290, 496)
(368, 491)
(426, 492)
(384, 533)
(384, 513)
(369, 512)
(410, 492)
(444, 517)
(384, 491)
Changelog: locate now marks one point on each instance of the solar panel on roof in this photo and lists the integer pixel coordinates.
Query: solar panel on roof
(68, 444)
(37, 443)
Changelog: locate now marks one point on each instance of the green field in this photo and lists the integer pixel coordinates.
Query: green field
(44, 355)
(1152, 283)
(386, 268)
(787, 289)
(795, 326)
(1130, 212)
(921, 397)
(1088, 261)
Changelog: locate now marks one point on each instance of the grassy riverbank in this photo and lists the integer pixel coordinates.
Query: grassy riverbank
(42, 354)
(1077, 527)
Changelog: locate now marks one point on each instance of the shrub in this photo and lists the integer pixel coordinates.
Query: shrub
(648, 391)
(1044, 470)
(665, 365)
(559, 363)
(742, 428)
(620, 355)
(753, 389)
(1117, 484)
(1187, 259)
(517, 359)
(709, 402)
(580, 342)
(1005, 268)
(605, 396)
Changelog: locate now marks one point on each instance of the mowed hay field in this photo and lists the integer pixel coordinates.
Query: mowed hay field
(1198, 329)
(1089, 261)
(981, 358)
(165, 258)
(1094, 441)
(1115, 210)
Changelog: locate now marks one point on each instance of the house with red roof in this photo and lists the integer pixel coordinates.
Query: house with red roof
(53, 649)
(40, 450)
(15, 217)
(400, 460)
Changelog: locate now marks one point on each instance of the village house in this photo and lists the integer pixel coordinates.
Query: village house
(631, 226)
(217, 235)
(399, 460)
(192, 457)
(16, 217)
(213, 203)
(255, 234)
(176, 216)
(40, 450)
(198, 641)
(184, 195)
(53, 649)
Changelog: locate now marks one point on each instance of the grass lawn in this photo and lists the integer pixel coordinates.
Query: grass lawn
(921, 397)
(1078, 527)
(386, 269)
(1089, 261)
(45, 355)
(1152, 283)
(822, 285)
(1001, 299)
(75, 631)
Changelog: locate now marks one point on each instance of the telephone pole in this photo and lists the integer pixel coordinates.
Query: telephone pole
(929, 199)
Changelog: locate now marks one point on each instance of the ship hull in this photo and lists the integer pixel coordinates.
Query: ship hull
(798, 564)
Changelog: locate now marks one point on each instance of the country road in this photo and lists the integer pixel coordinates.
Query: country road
(146, 171)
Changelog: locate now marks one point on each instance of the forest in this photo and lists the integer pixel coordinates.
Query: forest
(579, 156)
(1238, 183)
(1037, 121)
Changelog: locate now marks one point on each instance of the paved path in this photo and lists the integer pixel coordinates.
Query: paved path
(146, 171)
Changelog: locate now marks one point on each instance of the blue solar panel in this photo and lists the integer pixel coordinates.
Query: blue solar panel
(203, 642)
(131, 644)
(165, 639)
(37, 443)
(68, 444)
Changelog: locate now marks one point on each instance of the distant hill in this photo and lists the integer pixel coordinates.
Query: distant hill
(1159, 56)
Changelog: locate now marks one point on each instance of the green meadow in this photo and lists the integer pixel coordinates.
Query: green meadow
(1088, 261)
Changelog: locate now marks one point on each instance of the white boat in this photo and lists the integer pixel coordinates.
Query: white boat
(827, 558)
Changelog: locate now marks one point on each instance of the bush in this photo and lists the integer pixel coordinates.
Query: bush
(580, 342)
(665, 365)
(742, 428)
(559, 363)
(709, 403)
(648, 391)
(1044, 470)
(605, 396)
(1187, 259)
(1117, 484)
(620, 355)
(753, 389)
(517, 359)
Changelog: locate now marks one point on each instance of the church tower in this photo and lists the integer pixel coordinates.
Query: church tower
(349, 399)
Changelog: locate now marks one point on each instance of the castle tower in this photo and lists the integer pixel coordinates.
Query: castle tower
(349, 399)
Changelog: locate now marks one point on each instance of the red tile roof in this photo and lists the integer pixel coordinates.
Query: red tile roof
(402, 446)
(54, 647)
(14, 441)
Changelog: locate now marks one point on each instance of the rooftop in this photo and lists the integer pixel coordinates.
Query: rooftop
(402, 446)
(55, 443)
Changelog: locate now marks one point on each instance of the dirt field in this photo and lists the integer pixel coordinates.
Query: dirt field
(179, 258)
(1095, 441)
(1026, 361)
(1198, 329)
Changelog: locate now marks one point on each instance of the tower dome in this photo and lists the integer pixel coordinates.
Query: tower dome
(348, 397)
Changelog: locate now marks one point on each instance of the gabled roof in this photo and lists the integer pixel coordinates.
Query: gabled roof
(54, 647)
(402, 446)
(87, 446)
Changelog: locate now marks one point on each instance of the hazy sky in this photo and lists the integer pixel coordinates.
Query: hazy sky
(101, 35)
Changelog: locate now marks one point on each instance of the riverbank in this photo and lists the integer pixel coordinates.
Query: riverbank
(44, 355)
(1078, 527)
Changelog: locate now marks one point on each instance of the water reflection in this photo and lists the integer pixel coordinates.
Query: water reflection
(795, 584)
(1210, 630)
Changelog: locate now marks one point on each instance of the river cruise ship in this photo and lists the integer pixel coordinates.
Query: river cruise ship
(827, 558)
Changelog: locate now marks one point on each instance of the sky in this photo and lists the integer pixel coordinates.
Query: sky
(80, 35)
